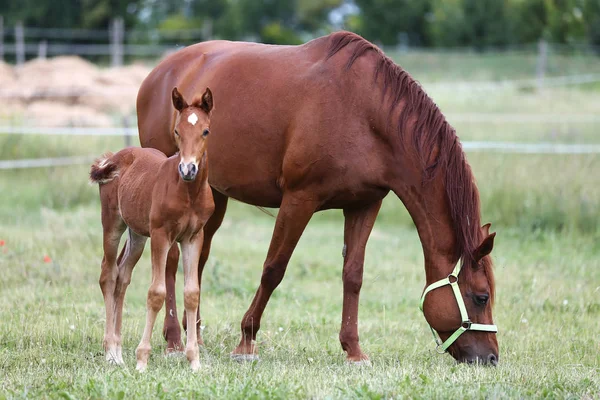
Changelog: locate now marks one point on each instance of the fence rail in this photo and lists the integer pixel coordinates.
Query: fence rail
(469, 146)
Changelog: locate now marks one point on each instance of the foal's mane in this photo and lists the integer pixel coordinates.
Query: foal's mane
(432, 133)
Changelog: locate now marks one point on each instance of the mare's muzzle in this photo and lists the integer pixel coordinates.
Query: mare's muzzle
(188, 171)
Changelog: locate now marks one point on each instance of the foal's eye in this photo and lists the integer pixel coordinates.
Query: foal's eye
(205, 132)
(481, 299)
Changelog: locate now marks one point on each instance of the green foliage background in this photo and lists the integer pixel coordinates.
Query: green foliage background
(429, 23)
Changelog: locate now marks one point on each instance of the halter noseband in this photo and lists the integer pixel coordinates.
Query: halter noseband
(466, 324)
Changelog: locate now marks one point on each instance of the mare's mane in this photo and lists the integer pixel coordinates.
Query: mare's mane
(432, 134)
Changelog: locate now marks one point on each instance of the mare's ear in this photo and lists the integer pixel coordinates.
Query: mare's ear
(485, 247)
(206, 102)
(178, 101)
(486, 229)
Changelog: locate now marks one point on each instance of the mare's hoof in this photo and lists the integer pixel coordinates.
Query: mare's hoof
(359, 363)
(245, 357)
(174, 353)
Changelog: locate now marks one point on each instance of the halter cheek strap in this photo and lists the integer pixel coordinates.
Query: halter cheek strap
(466, 324)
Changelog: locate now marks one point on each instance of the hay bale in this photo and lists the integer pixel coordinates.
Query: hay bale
(65, 76)
(7, 74)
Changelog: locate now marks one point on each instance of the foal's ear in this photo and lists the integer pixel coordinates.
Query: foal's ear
(206, 102)
(485, 247)
(178, 101)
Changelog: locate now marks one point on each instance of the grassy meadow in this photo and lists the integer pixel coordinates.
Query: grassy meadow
(545, 208)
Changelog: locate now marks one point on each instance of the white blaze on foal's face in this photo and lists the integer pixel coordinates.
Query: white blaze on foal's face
(193, 118)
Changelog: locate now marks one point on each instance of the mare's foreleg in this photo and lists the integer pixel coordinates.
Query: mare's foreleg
(191, 295)
(357, 228)
(171, 327)
(159, 243)
(294, 214)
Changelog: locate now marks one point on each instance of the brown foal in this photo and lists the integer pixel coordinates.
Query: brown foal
(166, 199)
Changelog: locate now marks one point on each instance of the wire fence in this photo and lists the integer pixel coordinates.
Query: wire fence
(469, 146)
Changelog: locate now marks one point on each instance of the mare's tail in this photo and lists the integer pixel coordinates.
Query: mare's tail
(104, 169)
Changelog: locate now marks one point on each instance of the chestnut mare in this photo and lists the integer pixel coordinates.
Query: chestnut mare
(166, 199)
(332, 123)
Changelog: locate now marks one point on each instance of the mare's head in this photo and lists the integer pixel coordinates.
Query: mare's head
(191, 129)
(478, 343)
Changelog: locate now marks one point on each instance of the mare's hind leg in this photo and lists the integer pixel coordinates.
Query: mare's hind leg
(157, 292)
(171, 327)
(295, 212)
(113, 228)
(357, 228)
(132, 251)
(212, 225)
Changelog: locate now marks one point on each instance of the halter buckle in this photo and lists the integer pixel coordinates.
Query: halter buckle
(466, 325)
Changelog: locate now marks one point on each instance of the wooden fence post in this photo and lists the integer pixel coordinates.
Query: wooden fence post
(541, 62)
(125, 130)
(20, 43)
(1, 38)
(117, 35)
(42, 49)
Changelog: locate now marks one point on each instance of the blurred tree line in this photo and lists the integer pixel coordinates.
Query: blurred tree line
(430, 23)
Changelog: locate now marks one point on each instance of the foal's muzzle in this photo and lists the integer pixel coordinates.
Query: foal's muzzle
(188, 171)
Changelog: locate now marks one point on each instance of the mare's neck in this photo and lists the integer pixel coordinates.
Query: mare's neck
(427, 203)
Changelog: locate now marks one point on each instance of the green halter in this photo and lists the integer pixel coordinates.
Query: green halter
(466, 324)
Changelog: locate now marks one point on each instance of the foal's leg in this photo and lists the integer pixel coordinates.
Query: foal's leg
(213, 223)
(134, 247)
(157, 292)
(191, 295)
(295, 212)
(357, 228)
(113, 228)
(171, 328)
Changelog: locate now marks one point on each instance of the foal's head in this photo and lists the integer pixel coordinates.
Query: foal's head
(191, 129)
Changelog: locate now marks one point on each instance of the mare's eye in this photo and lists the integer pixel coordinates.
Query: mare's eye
(481, 299)
(176, 133)
(205, 132)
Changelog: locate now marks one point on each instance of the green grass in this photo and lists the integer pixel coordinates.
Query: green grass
(449, 66)
(548, 308)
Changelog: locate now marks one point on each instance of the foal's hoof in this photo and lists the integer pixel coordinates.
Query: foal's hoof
(114, 359)
(141, 367)
(245, 357)
(195, 365)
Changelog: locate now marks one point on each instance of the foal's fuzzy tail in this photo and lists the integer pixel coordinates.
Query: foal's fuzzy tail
(104, 169)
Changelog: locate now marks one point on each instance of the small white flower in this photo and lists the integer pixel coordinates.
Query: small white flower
(280, 329)
(524, 320)
(202, 327)
(43, 361)
(565, 302)
(72, 327)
